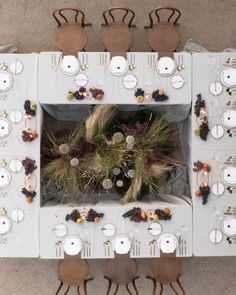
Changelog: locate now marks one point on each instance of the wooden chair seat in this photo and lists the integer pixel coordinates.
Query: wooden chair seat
(73, 272)
(166, 271)
(164, 37)
(117, 37)
(71, 38)
(121, 271)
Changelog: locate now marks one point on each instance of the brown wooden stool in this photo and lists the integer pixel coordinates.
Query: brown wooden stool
(71, 37)
(163, 36)
(117, 36)
(72, 271)
(122, 270)
(165, 270)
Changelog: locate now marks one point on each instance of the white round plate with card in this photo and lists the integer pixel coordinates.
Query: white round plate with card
(215, 236)
(229, 226)
(177, 82)
(229, 118)
(15, 165)
(130, 81)
(155, 229)
(218, 189)
(6, 81)
(17, 215)
(108, 230)
(5, 128)
(81, 80)
(217, 131)
(5, 178)
(60, 230)
(228, 77)
(229, 175)
(16, 67)
(167, 243)
(15, 116)
(166, 66)
(121, 244)
(5, 224)
(70, 65)
(215, 88)
(118, 65)
(72, 245)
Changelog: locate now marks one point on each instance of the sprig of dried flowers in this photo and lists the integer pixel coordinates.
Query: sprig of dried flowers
(112, 154)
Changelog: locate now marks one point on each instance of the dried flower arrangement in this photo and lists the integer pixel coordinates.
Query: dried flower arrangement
(112, 154)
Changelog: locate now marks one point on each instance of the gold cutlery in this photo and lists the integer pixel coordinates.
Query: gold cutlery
(103, 61)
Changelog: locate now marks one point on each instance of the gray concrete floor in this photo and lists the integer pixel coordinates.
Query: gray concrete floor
(29, 25)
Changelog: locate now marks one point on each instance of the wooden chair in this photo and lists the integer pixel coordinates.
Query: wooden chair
(122, 270)
(71, 37)
(73, 272)
(163, 36)
(165, 270)
(117, 36)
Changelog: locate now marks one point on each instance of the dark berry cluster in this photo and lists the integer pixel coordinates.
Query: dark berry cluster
(198, 166)
(205, 191)
(30, 108)
(29, 194)
(97, 93)
(80, 94)
(93, 216)
(136, 215)
(203, 131)
(159, 95)
(29, 136)
(199, 104)
(139, 92)
(29, 165)
(74, 216)
(163, 214)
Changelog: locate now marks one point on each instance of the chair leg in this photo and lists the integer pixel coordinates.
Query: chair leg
(59, 288)
(154, 284)
(67, 290)
(161, 291)
(180, 285)
(174, 289)
(116, 290)
(134, 285)
(78, 292)
(109, 285)
(128, 290)
(85, 285)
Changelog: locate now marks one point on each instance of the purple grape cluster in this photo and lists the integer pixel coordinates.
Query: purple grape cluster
(28, 193)
(93, 216)
(79, 94)
(28, 110)
(199, 104)
(74, 215)
(97, 93)
(205, 191)
(204, 130)
(159, 96)
(29, 165)
(162, 215)
(139, 92)
(136, 215)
